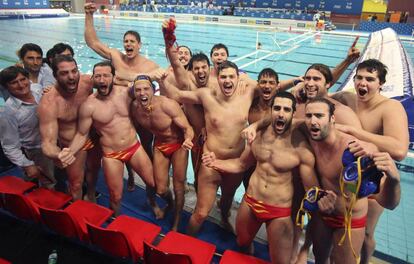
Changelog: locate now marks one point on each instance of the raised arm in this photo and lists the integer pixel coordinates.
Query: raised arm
(173, 109)
(184, 97)
(353, 54)
(236, 165)
(180, 73)
(395, 136)
(91, 38)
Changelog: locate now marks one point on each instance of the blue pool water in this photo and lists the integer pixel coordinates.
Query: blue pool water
(395, 232)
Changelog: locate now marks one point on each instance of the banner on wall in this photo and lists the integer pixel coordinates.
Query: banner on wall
(26, 4)
(375, 6)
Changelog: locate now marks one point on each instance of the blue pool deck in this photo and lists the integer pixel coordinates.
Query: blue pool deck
(395, 231)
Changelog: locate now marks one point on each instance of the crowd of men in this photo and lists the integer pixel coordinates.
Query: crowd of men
(52, 117)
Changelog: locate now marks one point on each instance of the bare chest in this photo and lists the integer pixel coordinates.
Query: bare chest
(371, 121)
(280, 155)
(228, 114)
(155, 121)
(106, 111)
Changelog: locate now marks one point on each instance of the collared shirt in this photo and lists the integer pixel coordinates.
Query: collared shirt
(19, 126)
(45, 77)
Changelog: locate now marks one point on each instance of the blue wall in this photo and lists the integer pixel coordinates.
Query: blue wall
(401, 29)
(19, 4)
(349, 7)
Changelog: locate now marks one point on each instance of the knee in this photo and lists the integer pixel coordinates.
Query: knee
(200, 216)
(369, 240)
(115, 196)
(75, 186)
(162, 190)
(179, 185)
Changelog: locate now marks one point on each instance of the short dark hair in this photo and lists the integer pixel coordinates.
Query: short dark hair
(320, 99)
(10, 73)
(373, 65)
(198, 57)
(61, 47)
(58, 59)
(133, 33)
(322, 68)
(50, 54)
(226, 65)
(283, 94)
(29, 47)
(219, 46)
(105, 63)
(268, 72)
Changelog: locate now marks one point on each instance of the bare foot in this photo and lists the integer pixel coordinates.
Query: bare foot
(131, 184)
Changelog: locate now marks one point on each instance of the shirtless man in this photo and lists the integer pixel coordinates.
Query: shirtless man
(108, 111)
(384, 123)
(173, 138)
(131, 61)
(267, 83)
(277, 150)
(226, 111)
(328, 145)
(318, 79)
(58, 115)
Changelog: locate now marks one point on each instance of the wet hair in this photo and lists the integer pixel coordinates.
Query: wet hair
(268, 72)
(226, 65)
(10, 73)
(183, 46)
(198, 57)
(373, 65)
(283, 94)
(133, 33)
(324, 70)
(219, 46)
(323, 100)
(61, 47)
(105, 63)
(58, 59)
(29, 47)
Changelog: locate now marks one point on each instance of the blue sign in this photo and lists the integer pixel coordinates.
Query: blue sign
(20, 4)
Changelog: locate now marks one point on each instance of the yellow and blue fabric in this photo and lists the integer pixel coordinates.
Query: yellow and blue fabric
(309, 204)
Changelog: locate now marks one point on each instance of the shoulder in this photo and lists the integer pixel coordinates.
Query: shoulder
(85, 83)
(167, 104)
(88, 106)
(391, 104)
(50, 98)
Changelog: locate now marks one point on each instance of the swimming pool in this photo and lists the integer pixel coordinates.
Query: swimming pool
(240, 40)
(393, 233)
